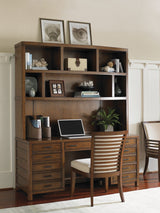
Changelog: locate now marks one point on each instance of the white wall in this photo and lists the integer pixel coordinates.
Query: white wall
(133, 24)
(144, 101)
(7, 119)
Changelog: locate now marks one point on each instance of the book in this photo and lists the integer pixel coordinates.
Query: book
(87, 94)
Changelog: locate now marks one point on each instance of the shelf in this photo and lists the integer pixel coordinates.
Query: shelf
(74, 99)
(75, 72)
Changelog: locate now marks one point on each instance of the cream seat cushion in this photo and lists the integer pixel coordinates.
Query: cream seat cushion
(152, 131)
(82, 164)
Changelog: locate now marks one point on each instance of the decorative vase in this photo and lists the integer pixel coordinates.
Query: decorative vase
(109, 128)
(32, 92)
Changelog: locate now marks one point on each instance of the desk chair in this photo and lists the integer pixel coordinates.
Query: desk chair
(106, 160)
(152, 142)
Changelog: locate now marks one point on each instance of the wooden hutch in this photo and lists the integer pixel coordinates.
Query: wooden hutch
(43, 165)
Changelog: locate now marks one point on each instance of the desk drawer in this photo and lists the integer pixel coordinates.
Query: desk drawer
(129, 158)
(46, 157)
(47, 186)
(131, 141)
(52, 175)
(46, 148)
(77, 146)
(129, 167)
(46, 167)
(129, 150)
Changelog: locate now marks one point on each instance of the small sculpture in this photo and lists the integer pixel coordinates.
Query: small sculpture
(39, 63)
(109, 67)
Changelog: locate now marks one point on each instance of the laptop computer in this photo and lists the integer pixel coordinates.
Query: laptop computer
(72, 128)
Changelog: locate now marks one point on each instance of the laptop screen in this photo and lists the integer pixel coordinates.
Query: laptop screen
(71, 127)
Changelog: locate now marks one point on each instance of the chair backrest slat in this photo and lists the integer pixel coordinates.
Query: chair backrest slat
(107, 151)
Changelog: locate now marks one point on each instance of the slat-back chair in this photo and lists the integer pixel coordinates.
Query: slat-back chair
(106, 160)
(152, 142)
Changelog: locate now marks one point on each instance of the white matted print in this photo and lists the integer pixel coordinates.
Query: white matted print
(80, 33)
(52, 30)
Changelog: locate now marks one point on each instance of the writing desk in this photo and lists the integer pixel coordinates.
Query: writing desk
(44, 165)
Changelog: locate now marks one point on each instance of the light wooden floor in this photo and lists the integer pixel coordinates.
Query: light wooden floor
(13, 198)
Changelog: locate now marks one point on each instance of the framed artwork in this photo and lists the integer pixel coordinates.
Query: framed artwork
(52, 30)
(56, 88)
(80, 33)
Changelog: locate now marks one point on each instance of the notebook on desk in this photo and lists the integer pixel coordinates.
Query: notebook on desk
(72, 128)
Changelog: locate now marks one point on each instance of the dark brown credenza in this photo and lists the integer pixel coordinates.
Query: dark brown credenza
(43, 166)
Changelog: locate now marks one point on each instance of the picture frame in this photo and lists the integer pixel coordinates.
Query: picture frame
(52, 30)
(80, 33)
(56, 88)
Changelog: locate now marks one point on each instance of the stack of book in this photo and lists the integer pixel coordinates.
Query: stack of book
(87, 94)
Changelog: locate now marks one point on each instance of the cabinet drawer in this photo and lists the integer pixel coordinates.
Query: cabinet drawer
(126, 178)
(131, 141)
(129, 150)
(76, 146)
(129, 158)
(46, 167)
(129, 177)
(48, 186)
(52, 175)
(46, 157)
(46, 148)
(129, 167)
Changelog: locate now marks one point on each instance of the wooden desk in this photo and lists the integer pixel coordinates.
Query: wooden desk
(44, 166)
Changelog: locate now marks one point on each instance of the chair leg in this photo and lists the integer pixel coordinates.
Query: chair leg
(106, 184)
(91, 189)
(146, 165)
(120, 187)
(159, 169)
(73, 181)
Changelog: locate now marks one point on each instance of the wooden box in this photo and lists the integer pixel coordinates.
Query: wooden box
(76, 64)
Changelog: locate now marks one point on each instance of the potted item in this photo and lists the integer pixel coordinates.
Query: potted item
(106, 121)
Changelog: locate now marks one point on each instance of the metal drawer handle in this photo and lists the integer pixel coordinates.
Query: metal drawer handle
(49, 185)
(47, 147)
(46, 176)
(47, 167)
(49, 156)
(125, 159)
(72, 145)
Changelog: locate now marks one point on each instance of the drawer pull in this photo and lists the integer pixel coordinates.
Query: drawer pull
(47, 176)
(47, 167)
(126, 168)
(49, 185)
(125, 159)
(74, 145)
(47, 147)
(49, 156)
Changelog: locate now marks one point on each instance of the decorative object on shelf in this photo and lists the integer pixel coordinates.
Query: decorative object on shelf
(80, 33)
(52, 30)
(46, 128)
(86, 86)
(109, 67)
(105, 120)
(34, 129)
(76, 64)
(116, 64)
(32, 92)
(28, 61)
(56, 87)
(118, 91)
(39, 64)
(87, 94)
(30, 82)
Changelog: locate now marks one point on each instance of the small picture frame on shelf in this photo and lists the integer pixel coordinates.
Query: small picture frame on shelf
(56, 88)
(80, 33)
(52, 30)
